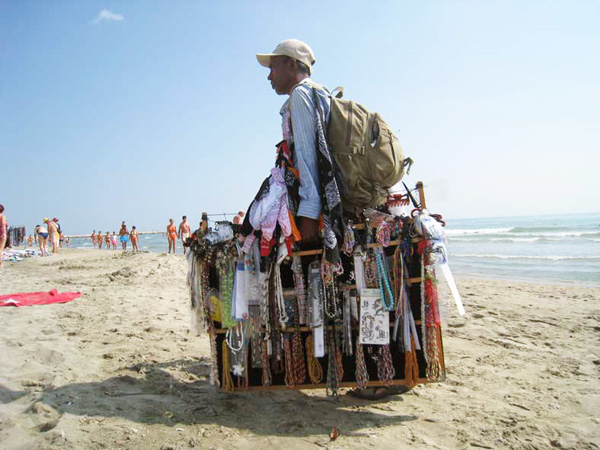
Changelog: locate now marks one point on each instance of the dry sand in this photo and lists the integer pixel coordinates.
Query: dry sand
(117, 368)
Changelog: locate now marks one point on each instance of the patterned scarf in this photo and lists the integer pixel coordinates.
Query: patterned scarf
(330, 193)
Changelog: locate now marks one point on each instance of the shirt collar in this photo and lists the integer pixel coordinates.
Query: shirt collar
(284, 107)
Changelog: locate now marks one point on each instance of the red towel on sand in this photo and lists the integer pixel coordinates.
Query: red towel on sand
(37, 298)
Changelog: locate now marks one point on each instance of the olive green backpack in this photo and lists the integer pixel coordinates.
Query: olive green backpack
(367, 154)
(366, 151)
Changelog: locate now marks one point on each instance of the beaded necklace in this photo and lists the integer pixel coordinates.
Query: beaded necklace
(289, 366)
(335, 370)
(297, 349)
(349, 240)
(371, 278)
(429, 327)
(385, 366)
(315, 371)
(361, 373)
(383, 233)
(331, 300)
(266, 369)
(282, 313)
(384, 282)
(347, 324)
(214, 355)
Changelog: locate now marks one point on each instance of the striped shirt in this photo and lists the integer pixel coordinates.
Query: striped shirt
(298, 126)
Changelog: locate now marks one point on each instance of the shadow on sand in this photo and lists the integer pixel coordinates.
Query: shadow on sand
(151, 394)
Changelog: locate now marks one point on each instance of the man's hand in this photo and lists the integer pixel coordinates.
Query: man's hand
(309, 229)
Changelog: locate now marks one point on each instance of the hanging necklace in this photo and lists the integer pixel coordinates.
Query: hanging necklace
(384, 282)
(362, 375)
(300, 289)
(328, 275)
(298, 350)
(349, 240)
(385, 366)
(315, 371)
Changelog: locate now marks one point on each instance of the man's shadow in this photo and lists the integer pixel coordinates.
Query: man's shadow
(150, 394)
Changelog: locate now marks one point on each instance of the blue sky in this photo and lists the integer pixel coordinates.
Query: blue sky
(142, 111)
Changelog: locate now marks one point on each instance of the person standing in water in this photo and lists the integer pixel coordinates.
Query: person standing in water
(172, 236)
(134, 239)
(124, 236)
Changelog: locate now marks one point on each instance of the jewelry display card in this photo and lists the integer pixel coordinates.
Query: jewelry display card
(374, 319)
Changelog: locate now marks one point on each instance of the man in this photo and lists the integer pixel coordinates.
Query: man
(124, 236)
(239, 218)
(184, 232)
(303, 120)
(53, 232)
(290, 69)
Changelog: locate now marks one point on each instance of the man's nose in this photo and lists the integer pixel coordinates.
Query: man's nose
(270, 77)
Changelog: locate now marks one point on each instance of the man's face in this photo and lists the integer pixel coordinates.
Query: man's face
(282, 74)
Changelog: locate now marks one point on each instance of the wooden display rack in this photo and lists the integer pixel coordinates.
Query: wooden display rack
(348, 362)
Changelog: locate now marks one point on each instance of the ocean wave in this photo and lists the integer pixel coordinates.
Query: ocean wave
(529, 239)
(535, 257)
(508, 233)
(478, 231)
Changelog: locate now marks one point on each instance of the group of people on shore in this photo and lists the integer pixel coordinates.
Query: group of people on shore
(182, 232)
(48, 233)
(110, 241)
(124, 236)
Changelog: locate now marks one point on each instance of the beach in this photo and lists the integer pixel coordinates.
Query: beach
(119, 368)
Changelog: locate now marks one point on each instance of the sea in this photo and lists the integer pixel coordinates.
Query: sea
(549, 248)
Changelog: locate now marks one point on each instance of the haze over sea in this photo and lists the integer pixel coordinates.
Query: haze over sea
(548, 248)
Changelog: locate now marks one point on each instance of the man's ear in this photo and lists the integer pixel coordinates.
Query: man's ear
(293, 65)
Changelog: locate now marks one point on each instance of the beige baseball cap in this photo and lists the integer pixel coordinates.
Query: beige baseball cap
(293, 48)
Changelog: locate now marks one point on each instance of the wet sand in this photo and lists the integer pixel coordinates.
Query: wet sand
(118, 368)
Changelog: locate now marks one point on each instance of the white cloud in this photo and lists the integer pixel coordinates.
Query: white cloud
(108, 16)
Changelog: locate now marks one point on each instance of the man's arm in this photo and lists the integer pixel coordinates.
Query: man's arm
(303, 127)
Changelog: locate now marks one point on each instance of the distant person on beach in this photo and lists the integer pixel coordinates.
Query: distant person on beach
(107, 240)
(184, 232)
(30, 241)
(100, 239)
(172, 236)
(237, 220)
(62, 239)
(3, 232)
(53, 232)
(58, 232)
(114, 240)
(134, 239)
(94, 238)
(42, 235)
(67, 242)
(124, 236)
